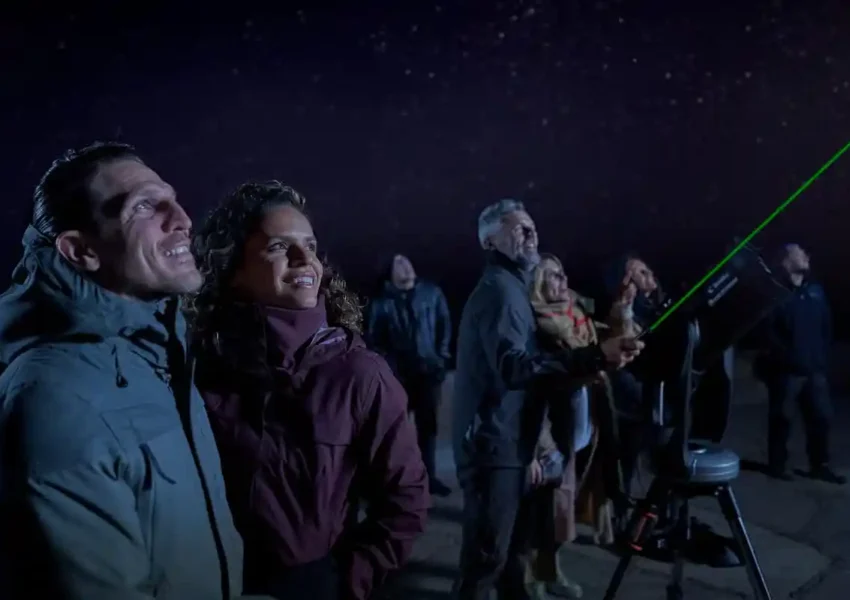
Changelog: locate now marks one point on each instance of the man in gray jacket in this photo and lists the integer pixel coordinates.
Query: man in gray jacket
(110, 481)
(496, 421)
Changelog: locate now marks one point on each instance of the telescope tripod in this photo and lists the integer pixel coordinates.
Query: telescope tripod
(665, 494)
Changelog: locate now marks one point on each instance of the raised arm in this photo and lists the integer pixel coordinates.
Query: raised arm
(505, 337)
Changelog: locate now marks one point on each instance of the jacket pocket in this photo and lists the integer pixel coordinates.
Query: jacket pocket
(159, 458)
(165, 453)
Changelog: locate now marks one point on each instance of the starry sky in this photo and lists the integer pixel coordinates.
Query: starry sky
(667, 127)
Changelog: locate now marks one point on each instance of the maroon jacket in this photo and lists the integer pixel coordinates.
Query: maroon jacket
(307, 420)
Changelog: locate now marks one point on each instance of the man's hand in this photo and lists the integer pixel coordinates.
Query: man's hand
(620, 351)
(534, 473)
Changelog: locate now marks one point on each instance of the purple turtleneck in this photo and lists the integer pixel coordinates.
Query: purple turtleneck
(336, 417)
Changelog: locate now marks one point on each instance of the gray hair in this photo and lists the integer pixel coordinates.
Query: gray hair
(490, 219)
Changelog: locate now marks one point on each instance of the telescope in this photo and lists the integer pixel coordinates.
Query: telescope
(679, 348)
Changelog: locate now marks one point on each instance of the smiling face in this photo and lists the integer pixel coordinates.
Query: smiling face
(141, 244)
(280, 266)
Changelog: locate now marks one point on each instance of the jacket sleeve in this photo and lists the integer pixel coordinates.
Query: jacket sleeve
(444, 326)
(70, 528)
(375, 334)
(545, 442)
(827, 323)
(505, 337)
(397, 491)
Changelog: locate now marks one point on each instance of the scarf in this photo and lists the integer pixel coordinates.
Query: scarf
(565, 322)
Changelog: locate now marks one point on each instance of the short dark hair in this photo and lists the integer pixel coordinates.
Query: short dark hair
(61, 201)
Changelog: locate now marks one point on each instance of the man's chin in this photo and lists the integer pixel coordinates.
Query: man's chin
(185, 283)
(528, 260)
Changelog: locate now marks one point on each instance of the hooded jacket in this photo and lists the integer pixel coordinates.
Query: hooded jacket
(309, 421)
(412, 329)
(110, 481)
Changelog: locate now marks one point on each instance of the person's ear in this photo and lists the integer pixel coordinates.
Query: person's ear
(74, 248)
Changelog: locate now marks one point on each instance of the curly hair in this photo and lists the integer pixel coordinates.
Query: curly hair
(219, 245)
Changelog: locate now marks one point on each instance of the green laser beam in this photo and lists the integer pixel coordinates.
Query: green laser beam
(747, 239)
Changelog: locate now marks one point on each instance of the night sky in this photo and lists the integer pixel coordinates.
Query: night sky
(666, 127)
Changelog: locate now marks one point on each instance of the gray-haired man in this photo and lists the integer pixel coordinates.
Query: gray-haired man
(496, 422)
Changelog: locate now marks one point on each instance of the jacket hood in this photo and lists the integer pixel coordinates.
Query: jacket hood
(50, 301)
(301, 336)
(253, 340)
(389, 289)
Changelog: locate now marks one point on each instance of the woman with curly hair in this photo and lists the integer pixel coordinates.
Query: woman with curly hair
(307, 420)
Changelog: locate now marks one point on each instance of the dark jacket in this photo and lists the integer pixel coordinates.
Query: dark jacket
(305, 427)
(496, 421)
(412, 329)
(798, 334)
(111, 484)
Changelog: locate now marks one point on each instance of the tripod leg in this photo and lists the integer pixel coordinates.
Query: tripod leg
(681, 540)
(619, 574)
(639, 529)
(674, 588)
(729, 506)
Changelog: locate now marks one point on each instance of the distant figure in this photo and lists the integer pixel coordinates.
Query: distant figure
(794, 365)
(497, 420)
(633, 407)
(634, 396)
(409, 323)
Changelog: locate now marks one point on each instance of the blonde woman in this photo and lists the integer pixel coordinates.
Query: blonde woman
(564, 320)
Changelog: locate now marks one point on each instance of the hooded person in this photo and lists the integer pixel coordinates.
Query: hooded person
(410, 325)
(110, 485)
